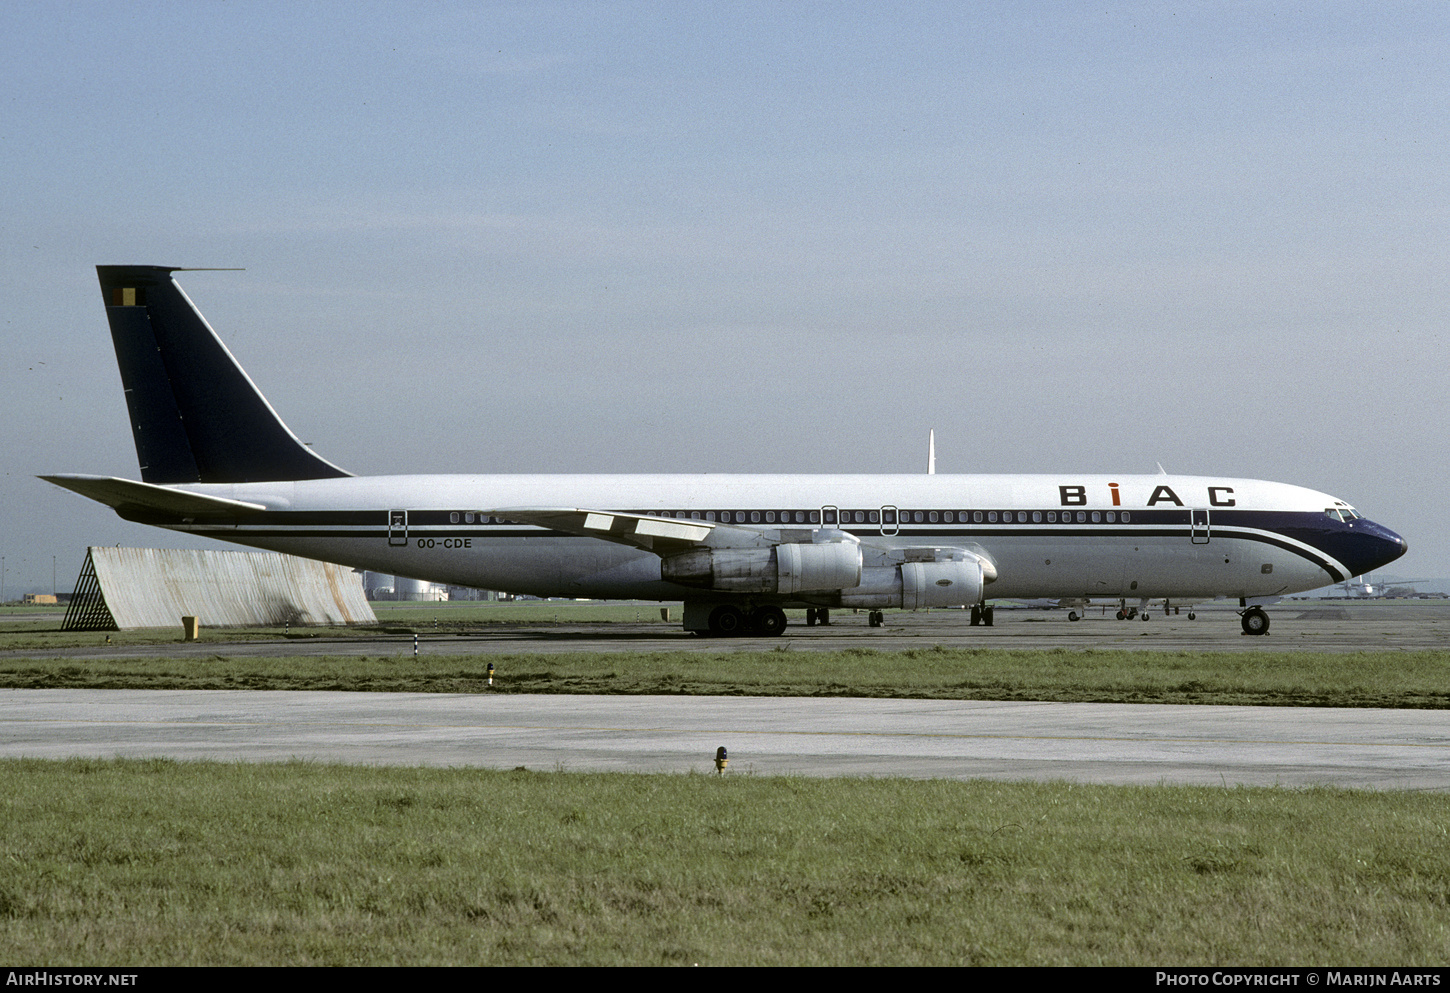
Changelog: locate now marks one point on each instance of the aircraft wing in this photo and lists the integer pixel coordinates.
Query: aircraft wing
(128, 495)
(661, 535)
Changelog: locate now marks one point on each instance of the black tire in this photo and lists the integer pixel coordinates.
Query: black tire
(727, 620)
(976, 615)
(987, 616)
(1255, 621)
(1121, 615)
(810, 617)
(769, 622)
(1072, 615)
(823, 616)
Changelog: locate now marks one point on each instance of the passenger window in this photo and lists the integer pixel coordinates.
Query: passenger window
(1097, 518)
(1037, 517)
(1112, 517)
(1052, 517)
(453, 517)
(755, 517)
(1127, 517)
(992, 516)
(1082, 516)
(977, 516)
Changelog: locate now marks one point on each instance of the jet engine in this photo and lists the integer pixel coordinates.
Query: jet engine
(940, 577)
(787, 568)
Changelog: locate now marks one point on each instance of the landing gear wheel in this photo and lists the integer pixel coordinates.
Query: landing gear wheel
(727, 620)
(1072, 616)
(976, 615)
(1121, 615)
(1255, 621)
(1192, 615)
(1145, 615)
(875, 618)
(823, 616)
(810, 617)
(987, 616)
(768, 621)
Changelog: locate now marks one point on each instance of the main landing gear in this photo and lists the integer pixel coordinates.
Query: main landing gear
(1254, 621)
(981, 615)
(730, 621)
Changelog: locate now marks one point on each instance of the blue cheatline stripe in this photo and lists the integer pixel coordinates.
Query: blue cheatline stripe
(924, 533)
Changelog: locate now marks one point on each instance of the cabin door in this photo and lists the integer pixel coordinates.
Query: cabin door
(1199, 526)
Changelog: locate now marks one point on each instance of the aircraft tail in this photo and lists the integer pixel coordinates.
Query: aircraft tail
(196, 415)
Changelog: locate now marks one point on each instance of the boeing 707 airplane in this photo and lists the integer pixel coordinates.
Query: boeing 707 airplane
(217, 460)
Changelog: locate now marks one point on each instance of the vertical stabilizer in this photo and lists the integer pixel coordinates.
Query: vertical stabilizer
(196, 415)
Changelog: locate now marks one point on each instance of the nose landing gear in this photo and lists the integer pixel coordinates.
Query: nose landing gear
(1255, 621)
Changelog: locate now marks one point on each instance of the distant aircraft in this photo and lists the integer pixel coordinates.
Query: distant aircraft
(1367, 589)
(216, 460)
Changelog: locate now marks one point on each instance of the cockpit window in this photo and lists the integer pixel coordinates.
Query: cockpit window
(1345, 514)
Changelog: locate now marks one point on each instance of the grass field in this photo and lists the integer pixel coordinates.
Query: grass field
(39, 626)
(1367, 679)
(164, 863)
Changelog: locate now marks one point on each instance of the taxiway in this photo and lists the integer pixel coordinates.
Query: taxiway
(1090, 743)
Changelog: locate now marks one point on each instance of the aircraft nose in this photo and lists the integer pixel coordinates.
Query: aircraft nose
(1376, 546)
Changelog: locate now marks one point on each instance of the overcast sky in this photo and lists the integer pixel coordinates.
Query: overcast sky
(755, 237)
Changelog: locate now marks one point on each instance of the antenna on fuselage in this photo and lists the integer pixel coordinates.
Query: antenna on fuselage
(931, 452)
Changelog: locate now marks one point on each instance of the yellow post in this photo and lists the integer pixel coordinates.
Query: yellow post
(190, 629)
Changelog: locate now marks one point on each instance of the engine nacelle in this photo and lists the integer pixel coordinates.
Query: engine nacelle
(956, 583)
(787, 568)
(946, 582)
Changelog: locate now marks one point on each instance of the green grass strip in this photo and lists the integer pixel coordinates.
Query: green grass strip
(1366, 679)
(164, 863)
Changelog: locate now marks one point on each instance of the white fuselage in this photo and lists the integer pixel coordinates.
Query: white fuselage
(1180, 537)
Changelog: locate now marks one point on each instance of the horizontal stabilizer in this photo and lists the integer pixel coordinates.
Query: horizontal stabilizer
(127, 495)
